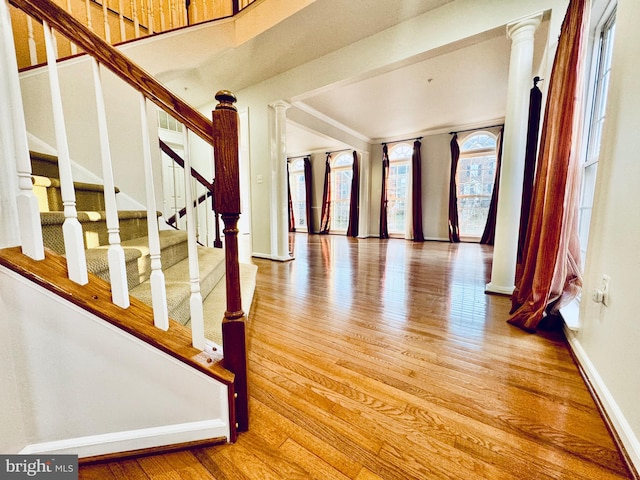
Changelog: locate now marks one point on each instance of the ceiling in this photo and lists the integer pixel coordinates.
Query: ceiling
(463, 84)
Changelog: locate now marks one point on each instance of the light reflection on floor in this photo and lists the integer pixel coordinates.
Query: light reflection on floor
(391, 275)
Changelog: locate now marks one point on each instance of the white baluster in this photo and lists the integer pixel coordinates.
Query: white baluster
(105, 15)
(115, 254)
(31, 41)
(74, 47)
(123, 30)
(71, 228)
(158, 289)
(88, 7)
(26, 201)
(162, 21)
(134, 14)
(195, 302)
(150, 17)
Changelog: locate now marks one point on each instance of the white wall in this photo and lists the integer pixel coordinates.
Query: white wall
(74, 383)
(609, 335)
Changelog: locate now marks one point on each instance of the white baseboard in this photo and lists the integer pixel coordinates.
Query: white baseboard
(618, 422)
(132, 439)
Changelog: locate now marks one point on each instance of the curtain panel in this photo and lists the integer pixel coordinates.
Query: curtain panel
(308, 183)
(416, 192)
(352, 229)
(551, 273)
(531, 152)
(292, 219)
(384, 230)
(454, 229)
(325, 219)
(489, 233)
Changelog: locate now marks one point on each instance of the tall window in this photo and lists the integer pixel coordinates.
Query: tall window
(600, 79)
(398, 188)
(474, 177)
(298, 192)
(341, 175)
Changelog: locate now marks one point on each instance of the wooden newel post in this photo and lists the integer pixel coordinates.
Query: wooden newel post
(227, 199)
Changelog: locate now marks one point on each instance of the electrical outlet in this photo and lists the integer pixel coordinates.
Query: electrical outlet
(604, 288)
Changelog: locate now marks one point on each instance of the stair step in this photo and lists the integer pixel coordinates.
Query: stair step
(89, 196)
(44, 165)
(173, 249)
(215, 304)
(212, 270)
(133, 224)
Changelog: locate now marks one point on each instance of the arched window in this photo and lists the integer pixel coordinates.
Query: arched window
(341, 175)
(398, 188)
(298, 192)
(475, 177)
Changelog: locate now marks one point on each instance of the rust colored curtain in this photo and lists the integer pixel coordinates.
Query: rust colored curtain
(384, 230)
(308, 182)
(551, 258)
(325, 219)
(292, 218)
(489, 233)
(352, 229)
(531, 152)
(454, 229)
(416, 192)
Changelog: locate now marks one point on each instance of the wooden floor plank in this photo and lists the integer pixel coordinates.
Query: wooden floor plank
(376, 359)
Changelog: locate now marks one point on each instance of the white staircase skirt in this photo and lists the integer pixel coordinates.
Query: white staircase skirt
(87, 387)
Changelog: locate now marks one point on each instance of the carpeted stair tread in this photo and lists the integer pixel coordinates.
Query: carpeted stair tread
(132, 223)
(173, 249)
(215, 304)
(89, 196)
(211, 264)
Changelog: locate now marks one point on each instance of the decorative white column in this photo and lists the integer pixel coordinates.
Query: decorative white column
(279, 194)
(513, 152)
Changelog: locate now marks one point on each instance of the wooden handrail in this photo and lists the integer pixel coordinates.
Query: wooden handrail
(118, 63)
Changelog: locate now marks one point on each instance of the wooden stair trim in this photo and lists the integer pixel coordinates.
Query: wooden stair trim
(137, 320)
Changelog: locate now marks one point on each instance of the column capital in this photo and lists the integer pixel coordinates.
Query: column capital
(524, 24)
(280, 105)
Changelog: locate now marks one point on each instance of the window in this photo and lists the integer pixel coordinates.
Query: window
(600, 81)
(341, 175)
(167, 122)
(474, 178)
(298, 192)
(398, 188)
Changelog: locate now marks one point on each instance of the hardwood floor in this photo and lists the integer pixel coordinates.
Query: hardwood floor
(378, 359)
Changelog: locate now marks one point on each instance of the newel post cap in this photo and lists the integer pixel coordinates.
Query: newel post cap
(226, 100)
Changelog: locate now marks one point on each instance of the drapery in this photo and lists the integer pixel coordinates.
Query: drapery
(325, 219)
(551, 258)
(416, 192)
(531, 152)
(454, 229)
(384, 230)
(308, 182)
(352, 229)
(489, 233)
(292, 218)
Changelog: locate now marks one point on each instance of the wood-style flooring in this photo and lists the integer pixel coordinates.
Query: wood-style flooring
(385, 359)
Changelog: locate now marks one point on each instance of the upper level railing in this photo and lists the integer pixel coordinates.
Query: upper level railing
(117, 21)
(221, 133)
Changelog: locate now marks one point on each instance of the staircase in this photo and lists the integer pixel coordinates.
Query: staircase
(134, 241)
